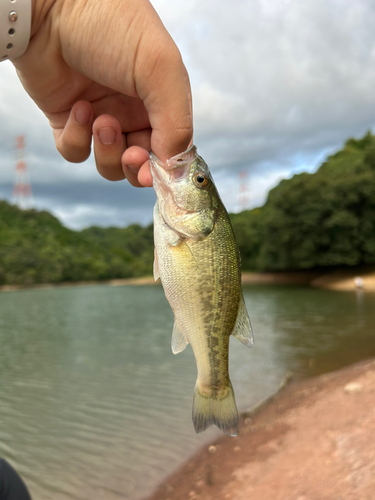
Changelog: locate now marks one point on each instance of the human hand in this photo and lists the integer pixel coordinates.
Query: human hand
(108, 69)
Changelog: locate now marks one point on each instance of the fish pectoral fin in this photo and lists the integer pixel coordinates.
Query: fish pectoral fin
(156, 266)
(179, 341)
(242, 330)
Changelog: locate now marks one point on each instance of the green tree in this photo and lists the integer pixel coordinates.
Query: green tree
(36, 248)
(316, 220)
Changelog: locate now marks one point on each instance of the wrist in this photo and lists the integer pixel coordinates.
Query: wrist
(15, 23)
(39, 9)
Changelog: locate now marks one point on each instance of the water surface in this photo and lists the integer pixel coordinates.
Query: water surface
(93, 404)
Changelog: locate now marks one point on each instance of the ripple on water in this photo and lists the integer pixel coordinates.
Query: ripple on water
(93, 404)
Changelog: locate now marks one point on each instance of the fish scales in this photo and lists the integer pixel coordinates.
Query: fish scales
(198, 263)
(194, 300)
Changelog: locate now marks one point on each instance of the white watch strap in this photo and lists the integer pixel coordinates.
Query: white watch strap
(15, 24)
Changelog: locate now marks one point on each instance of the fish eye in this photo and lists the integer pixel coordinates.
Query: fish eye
(200, 180)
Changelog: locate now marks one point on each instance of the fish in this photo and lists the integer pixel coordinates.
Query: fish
(198, 263)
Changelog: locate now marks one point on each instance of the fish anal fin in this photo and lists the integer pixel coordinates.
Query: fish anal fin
(179, 341)
(242, 330)
(156, 266)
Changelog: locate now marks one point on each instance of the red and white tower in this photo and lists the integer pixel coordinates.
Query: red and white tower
(244, 191)
(22, 194)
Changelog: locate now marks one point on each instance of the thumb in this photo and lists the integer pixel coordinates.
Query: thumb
(166, 95)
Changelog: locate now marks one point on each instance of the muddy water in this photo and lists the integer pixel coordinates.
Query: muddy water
(93, 404)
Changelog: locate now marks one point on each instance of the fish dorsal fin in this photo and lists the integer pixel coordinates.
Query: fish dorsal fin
(156, 266)
(179, 341)
(242, 330)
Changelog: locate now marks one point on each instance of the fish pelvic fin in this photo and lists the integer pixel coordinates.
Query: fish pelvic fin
(215, 408)
(179, 341)
(156, 266)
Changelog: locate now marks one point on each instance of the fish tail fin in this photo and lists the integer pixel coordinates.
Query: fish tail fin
(210, 407)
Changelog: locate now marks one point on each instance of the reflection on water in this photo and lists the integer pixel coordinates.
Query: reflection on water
(93, 404)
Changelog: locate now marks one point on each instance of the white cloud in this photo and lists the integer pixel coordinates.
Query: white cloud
(276, 84)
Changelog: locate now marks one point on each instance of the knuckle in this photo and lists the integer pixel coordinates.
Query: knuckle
(74, 147)
(111, 171)
(110, 175)
(72, 153)
(183, 131)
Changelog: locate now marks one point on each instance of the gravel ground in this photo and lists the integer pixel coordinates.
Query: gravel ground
(315, 440)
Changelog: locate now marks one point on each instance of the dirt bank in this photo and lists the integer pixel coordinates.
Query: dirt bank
(347, 280)
(290, 278)
(147, 280)
(315, 440)
(338, 280)
(281, 278)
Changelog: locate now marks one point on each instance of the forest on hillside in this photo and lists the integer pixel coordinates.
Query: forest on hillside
(320, 220)
(36, 248)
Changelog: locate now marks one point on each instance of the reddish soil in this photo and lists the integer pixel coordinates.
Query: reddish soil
(315, 440)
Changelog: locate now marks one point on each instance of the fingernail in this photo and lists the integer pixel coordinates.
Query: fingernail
(107, 135)
(82, 115)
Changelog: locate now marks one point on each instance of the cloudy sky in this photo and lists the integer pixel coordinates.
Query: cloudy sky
(277, 85)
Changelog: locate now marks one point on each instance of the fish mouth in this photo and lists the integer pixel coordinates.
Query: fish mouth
(174, 168)
(187, 156)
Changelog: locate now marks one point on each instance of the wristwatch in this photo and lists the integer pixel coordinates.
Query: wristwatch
(15, 25)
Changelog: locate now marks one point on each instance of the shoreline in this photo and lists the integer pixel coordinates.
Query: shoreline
(340, 280)
(146, 280)
(312, 440)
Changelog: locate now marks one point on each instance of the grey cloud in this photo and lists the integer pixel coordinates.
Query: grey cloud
(277, 84)
(78, 216)
(102, 192)
(273, 78)
(85, 203)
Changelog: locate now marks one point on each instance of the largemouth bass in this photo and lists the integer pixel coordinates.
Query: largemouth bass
(197, 260)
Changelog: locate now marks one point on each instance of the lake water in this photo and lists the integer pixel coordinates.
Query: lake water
(93, 404)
